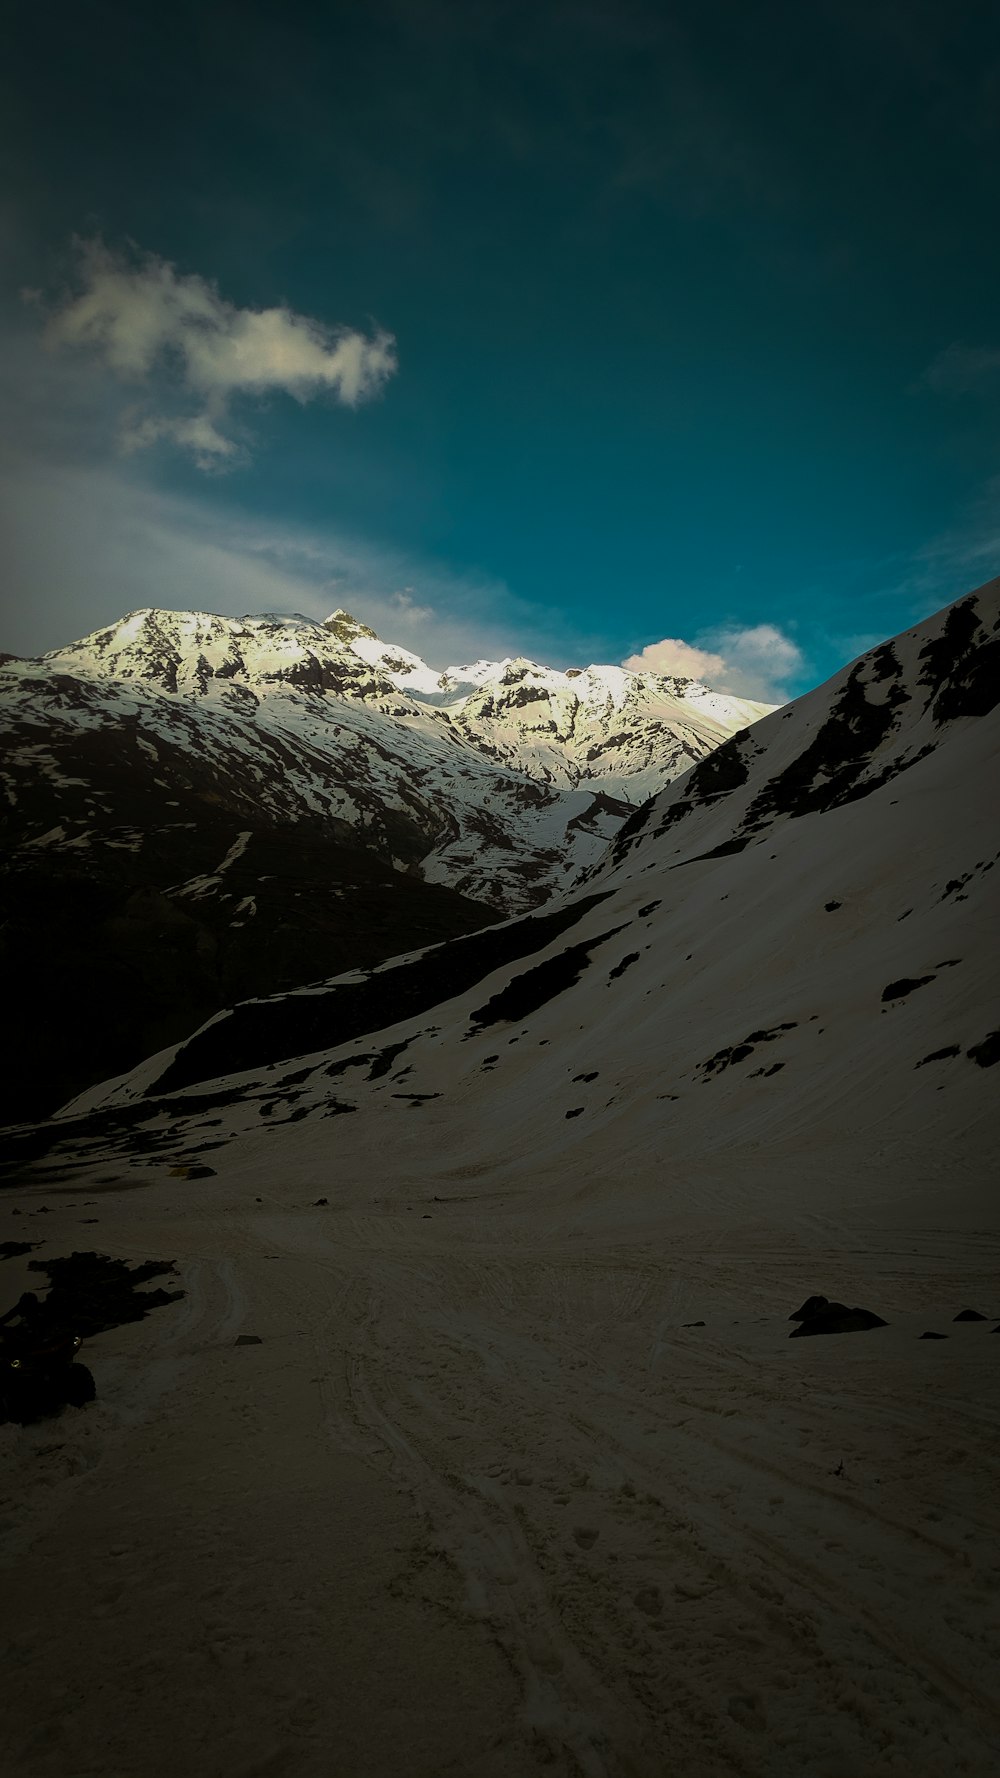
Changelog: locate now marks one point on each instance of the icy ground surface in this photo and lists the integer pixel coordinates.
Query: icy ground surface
(481, 1504)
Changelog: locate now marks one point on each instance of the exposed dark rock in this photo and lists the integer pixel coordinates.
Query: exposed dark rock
(13, 1249)
(969, 1315)
(255, 1033)
(950, 1049)
(90, 1292)
(248, 1340)
(831, 906)
(721, 771)
(726, 850)
(384, 1060)
(526, 993)
(112, 921)
(810, 1307)
(620, 968)
(830, 771)
(719, 774)
(837, 1318)
(933, 1336)
(962, 666)
(725, 1058)
(884, 663)
(738, 1052)
(905, 985)
(576, 1112)
(987, 1053)
(633, 826)
(694, 1324)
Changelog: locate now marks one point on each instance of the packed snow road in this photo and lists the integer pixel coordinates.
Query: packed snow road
(483, 1502)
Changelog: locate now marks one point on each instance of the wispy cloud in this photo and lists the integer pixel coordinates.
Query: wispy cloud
(964, 556)
(86, 544)
(964, 370)
(174, 334)
(756, 661)
(408, 609)
(89, 534)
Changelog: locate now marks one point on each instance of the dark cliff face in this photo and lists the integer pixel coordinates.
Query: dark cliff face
(105, 960)
(119, 934)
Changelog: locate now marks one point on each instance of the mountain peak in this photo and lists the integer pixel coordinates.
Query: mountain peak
(345, 627)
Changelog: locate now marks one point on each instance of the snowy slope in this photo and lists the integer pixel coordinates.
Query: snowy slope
(792, 947)
(516, 1470)
(375, 804)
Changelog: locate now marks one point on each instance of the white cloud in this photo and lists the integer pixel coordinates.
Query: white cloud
(677, 659)
(148, 323)
(406, 605)
(756, 661)
(197, 433)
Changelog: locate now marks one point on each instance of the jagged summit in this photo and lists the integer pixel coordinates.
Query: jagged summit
(204, 808)
(630, 731)
(345, 626)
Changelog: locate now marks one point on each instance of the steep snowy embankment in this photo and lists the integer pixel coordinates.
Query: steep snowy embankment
(789, 952)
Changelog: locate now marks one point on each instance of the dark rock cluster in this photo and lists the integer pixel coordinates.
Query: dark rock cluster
(818, 1315)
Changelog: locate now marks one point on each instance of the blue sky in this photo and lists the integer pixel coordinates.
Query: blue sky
(656, 323)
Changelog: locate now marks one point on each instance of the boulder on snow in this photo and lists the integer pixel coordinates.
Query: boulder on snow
(837, 1318)
(809, 1307)
(969, 1315)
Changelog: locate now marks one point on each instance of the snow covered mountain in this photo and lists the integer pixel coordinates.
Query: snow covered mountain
(791, 946)
(199, 809)
(516, 1462)
(501, 780)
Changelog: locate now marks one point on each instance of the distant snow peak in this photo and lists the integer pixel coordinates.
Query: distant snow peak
(502, 779)
(346, 627)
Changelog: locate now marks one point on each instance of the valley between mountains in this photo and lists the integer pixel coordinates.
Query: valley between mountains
(198, 809)
(477, 1446)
